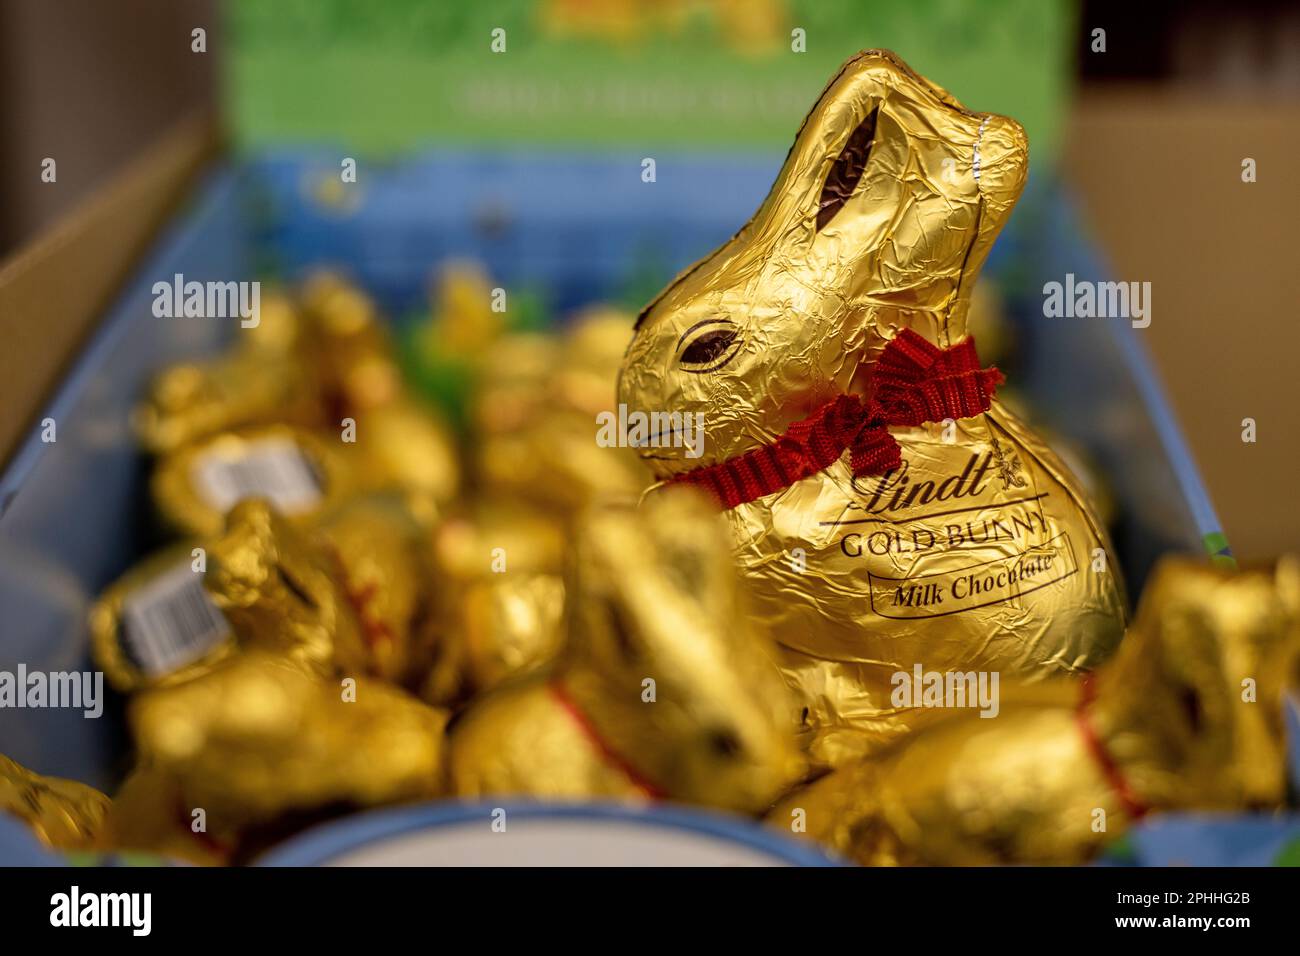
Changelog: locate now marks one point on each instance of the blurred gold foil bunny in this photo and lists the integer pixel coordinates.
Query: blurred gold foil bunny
(258, 381)
(886, 510)
(535, 410)
(235, 427)
(353, 597)
(662, 690)
(259, 741)
(1188, 715)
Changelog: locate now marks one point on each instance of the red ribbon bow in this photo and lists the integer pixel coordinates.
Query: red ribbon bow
(915, 383)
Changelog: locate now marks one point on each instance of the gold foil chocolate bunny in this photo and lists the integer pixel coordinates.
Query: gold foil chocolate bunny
(499, 569)
(354, 596)
(885, 509)
(258, 381)
(354, 592)
(535, 410)
(537, 407)
(238, 438)
(662, 690)
(384, 563)
(260, 737)
(281, 592)
(1187, 715)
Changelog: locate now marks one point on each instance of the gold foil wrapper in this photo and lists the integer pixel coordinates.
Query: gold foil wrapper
(260, 381)
(308, 473)
(512, 627)
(405, 447)
(307, 410)
(463, 324)
(538, 407)
(260, 741)
(1186, 716)
(283, 592)
(661, 690)
(498, 567)
(347, 340)
(536, 410)
(157, 624)
(384, 564)
(64, 814)
(981, 550)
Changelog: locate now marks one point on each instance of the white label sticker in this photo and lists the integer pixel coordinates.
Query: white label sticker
(171, 621)
(275, 469)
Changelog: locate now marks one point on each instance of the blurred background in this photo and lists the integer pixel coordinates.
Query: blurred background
(1148, 122)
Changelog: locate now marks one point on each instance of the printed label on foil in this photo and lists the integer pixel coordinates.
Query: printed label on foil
(977, 585)
(171, 621)
(275, 469)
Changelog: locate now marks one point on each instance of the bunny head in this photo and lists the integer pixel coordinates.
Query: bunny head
(880, 219)
(664, 664)
(278, 591)
(1206, 664)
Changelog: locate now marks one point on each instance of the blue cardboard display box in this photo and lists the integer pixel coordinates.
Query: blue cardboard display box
(73, 513)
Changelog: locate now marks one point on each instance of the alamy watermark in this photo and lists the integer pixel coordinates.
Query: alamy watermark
(1084, 299)
(955, 689)
(651, 430)
(133, 911)
(208, 300)
(78, 690)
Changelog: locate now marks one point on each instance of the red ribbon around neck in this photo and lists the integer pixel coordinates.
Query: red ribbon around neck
(608, 755)
(915, 383)
(1128, 798)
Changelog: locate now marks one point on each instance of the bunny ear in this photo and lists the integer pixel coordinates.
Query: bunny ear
(844, 175)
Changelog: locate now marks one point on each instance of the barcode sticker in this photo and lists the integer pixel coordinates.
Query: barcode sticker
(171, 622)
(274, 468)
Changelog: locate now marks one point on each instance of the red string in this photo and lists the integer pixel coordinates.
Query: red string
(209, 843)
(374, 629)
(607, 753)
(1132, 804)
(915, 382)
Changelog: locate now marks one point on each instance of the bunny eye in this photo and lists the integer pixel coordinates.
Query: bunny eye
(712, 348)
(847, 171)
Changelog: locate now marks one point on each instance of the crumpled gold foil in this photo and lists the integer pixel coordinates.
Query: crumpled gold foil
(308, 409)
(259, 381)
(1189, 713)
(536, 411)
(384, 563)
(498, 566)
(260, 737)
(662, 689)
(282, 592)
(860, 578)
(347, 340)
(64, 814)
